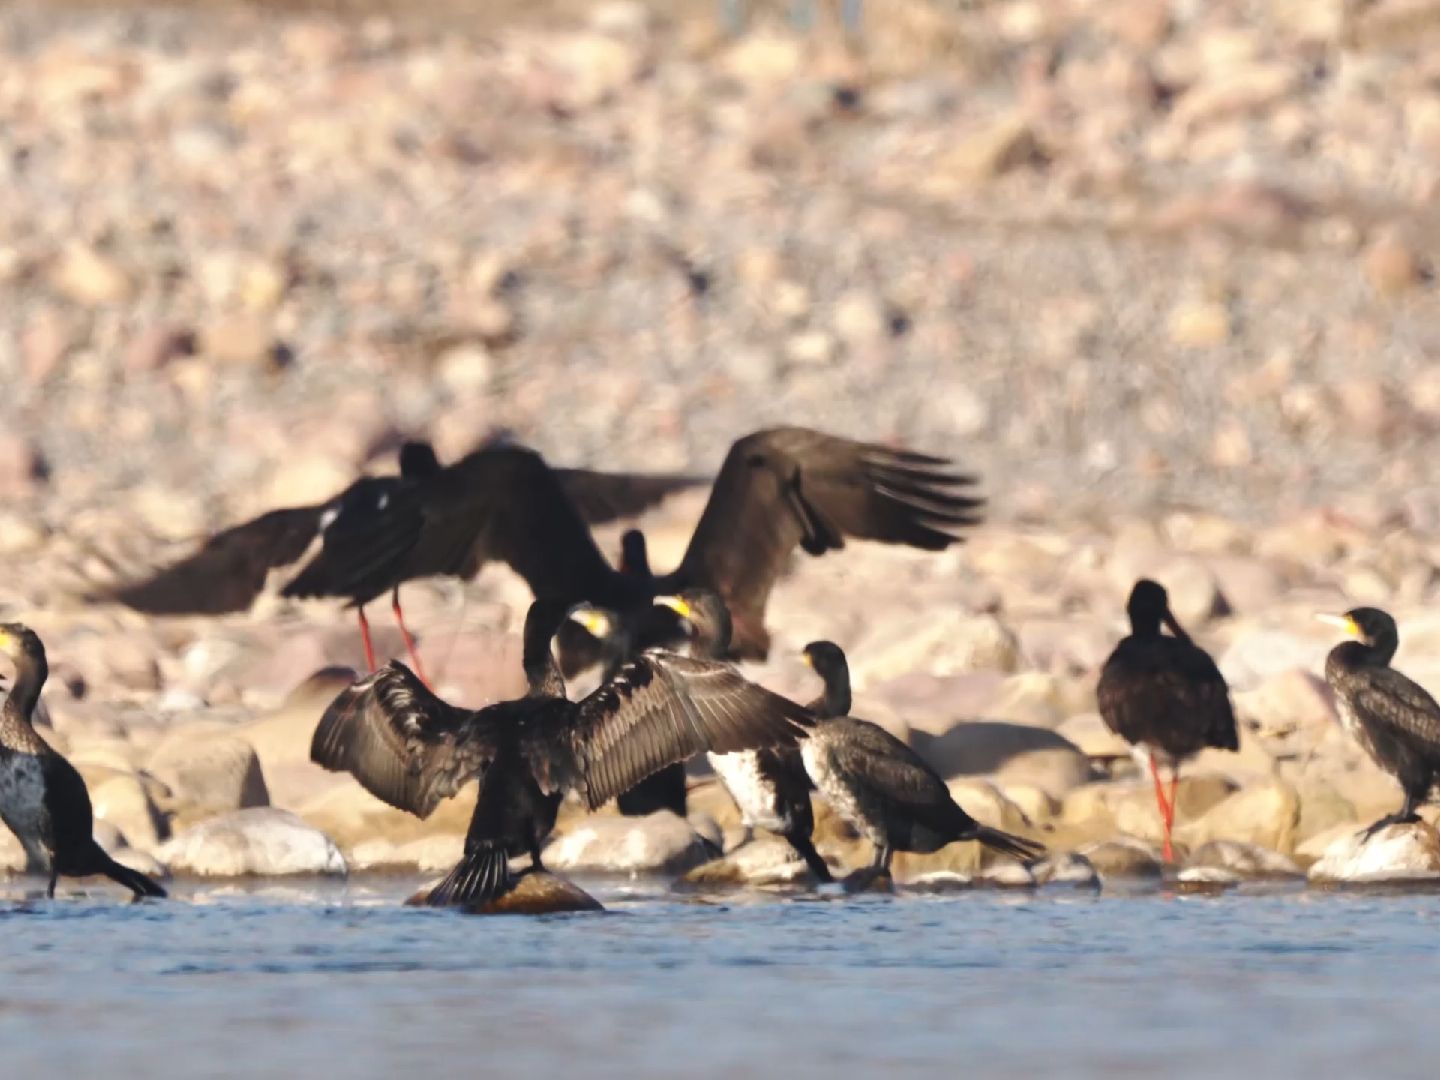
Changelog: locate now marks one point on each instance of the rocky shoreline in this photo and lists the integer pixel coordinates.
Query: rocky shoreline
(1161, 274)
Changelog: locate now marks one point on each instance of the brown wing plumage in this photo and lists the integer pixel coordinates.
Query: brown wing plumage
(793, 487)
(602, 497)
(229, 571)
(501, 504)
(1166, 692)
(663, 708)
(405, 746)
(1390, 705)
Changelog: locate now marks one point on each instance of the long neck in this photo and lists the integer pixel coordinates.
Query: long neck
(1380, 650)
(836, 699)
(541, 672)
(30, 675)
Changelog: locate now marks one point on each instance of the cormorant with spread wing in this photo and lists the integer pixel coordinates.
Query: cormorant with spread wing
(230, 570)
(1393, 719)
(881, 786)
(769, 786)
(1164, 695)
(410, 749)
(778, 490)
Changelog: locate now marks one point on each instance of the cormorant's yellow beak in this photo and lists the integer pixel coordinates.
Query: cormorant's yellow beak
(1344, 622)
(809, 660)
(677, 605)
(7, 640)
(593, 620)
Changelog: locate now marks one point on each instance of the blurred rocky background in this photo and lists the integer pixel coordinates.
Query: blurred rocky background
(1161, 272)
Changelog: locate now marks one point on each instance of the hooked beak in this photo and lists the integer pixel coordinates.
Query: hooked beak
(593, 620)
(1342, 622)
(677, 605)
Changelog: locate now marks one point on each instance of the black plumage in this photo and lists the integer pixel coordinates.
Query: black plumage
(881, 786)
(43, 800)
(1395, 721)
(1164, 695)
(777, 490)
(410, 749)
(770, 786)
(360, 560)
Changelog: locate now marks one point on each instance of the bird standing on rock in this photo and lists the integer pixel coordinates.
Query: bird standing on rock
(880, 785)
(43, 800)
(1164, 695)
(411, 749)
(1392, 718)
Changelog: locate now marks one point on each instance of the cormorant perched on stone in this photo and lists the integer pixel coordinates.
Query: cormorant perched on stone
(230, 570)
(43, 800)
(881, 786)
(1393, 719)
(770, 787)
(410, 749)
(1164, 695)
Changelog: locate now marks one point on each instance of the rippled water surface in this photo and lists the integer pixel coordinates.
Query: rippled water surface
(340, 980)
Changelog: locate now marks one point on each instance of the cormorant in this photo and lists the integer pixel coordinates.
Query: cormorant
(770, 786)
(230, 570)
(1164, 695)
(410, 749)
(777, 490)
(881, 786)
(1394, 720)
(43, 800)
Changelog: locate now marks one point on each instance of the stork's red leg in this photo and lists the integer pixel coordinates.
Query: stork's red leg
(1174, 782)
(1166, 812)
(404, 633)
(365, 637)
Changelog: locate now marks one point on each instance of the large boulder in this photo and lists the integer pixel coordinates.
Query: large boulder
(765, 860)
(1395, 854)
(1264, 814)
(1123, 860)
(660, 843)
(281, 739)
(208, 773)
(1243, 860)
(260, 841)
(1014, 752)
(124, 801)
(353, 817)
(427, 854)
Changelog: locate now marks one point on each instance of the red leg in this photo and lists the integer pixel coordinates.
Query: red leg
(404, 633)
(365, 638)
(1174, 782)
(1166, 812)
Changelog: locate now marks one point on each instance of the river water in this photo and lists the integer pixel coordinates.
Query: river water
(339, 979)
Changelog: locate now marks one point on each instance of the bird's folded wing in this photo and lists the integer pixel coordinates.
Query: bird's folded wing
(1396, 704)
(402, 743)
(662, 708)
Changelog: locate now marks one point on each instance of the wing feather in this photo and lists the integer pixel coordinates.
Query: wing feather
(794, 487)
(229, 571)
(663, 708)
(407, 747)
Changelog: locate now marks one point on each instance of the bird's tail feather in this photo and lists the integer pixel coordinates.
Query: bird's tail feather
(813, 859)
(134, 880)
(482, 875)
(1007, 844)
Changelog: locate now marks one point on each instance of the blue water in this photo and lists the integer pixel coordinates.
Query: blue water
(340, 980)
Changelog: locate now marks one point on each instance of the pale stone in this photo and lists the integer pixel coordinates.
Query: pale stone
(262, 841)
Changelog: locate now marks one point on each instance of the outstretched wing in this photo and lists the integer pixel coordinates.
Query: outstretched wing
(229, 571)
(603, 497)
(405, 746)
(790, 487)
(659, 709)
(501, 504)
